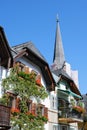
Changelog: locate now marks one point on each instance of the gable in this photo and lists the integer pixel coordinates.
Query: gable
(70, 86)
(31, 56)
(64, 77)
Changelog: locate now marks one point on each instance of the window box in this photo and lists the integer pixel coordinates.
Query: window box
(15, 110)
(78, 109)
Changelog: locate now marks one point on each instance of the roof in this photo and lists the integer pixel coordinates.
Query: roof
(59, 72)
(5, 52)
(63, 75)
(30, 46)
(29, 51)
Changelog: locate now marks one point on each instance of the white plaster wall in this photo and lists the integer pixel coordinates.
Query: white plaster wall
(53, 116)
(74, 75)
(3, 74)
(46, 126)
(67, 68)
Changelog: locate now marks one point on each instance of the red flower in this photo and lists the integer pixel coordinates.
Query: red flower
(32, 113)
(15, 110)
(38, 82)
(28, 113)
(79, 109)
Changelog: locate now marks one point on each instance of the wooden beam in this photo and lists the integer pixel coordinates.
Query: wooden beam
(20, 54)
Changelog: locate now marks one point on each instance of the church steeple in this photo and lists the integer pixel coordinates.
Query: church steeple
(59, 57)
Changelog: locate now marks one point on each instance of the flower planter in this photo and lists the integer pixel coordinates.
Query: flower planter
(4, 117)
(79, 109)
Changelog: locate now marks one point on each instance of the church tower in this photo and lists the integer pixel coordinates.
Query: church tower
(59, 63)
(59, 58)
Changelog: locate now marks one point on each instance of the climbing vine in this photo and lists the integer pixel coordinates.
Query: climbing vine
(24, 87)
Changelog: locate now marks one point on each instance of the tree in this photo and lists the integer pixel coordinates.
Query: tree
(24, 86)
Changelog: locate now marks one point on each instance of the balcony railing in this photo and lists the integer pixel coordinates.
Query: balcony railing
(70, 115)
(4, 117)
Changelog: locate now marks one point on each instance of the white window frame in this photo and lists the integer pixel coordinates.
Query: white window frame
(53, 102)
(55, 127)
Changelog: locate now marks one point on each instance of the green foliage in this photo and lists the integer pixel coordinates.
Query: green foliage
(4, 99)
(24, 86)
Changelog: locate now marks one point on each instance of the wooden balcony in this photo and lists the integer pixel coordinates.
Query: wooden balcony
(4, 117)
(69, 116)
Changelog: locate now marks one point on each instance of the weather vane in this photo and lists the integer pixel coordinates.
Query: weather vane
(57, 18)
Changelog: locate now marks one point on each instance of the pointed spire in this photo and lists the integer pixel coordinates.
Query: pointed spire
(59, 57)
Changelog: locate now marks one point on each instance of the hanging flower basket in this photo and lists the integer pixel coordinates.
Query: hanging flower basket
(79, 109)
(4, 116)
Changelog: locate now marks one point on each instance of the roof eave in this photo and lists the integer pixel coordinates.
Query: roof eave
(7, 59)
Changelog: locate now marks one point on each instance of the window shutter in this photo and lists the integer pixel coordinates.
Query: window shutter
(33, 108)
(46, 112)
(17, 103)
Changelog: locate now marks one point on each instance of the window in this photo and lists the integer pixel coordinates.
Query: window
(40, 109)
(53, 101)
(13, 101)
(55, 127)
(63, 127)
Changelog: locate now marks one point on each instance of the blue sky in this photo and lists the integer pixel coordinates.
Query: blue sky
(35, 20)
